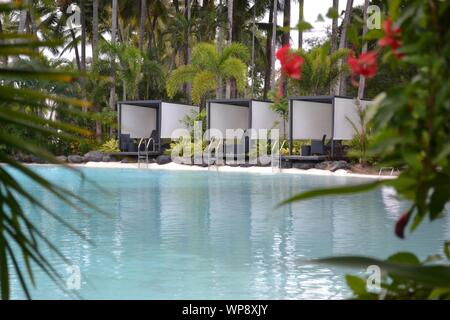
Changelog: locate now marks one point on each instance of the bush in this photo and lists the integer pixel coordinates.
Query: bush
(112, 145)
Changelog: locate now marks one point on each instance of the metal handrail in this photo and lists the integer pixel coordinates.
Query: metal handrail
(279, 153)
(148, 144)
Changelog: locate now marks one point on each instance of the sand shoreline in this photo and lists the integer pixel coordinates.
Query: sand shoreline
(255, 169)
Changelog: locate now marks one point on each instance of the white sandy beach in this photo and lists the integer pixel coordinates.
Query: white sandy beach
(267, 170)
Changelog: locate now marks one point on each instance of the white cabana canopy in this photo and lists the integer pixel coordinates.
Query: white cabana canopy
(314, 117)
(242, 114)
(140, 118)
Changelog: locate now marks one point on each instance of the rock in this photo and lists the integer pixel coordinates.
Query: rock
(75, 159)
(338, 165)
(302, 165)
(163, 159)
(35, 159)
(324, 165)
(61, 158)
(332, 165)
(22, 157)
(108, 158)
(95, 156)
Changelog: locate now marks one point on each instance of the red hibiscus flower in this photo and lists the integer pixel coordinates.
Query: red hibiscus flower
(291, 63)
(401, 224)
(391, 38)
(365, 65)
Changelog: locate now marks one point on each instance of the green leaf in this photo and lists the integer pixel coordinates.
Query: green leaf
(404, 257)
(357, 284)
(303, 26)
(447, 249)
(427, 275)
(438, 293)
(332, 13)
(352, 189)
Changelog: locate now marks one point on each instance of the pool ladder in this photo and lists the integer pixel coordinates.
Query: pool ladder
(276, 157)
(143, 154)
(216, 147)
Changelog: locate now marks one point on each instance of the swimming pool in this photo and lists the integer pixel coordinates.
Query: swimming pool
(209, 235)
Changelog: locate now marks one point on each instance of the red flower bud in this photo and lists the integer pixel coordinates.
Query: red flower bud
(401, 224)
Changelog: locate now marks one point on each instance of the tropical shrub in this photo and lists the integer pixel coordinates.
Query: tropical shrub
(112, 145)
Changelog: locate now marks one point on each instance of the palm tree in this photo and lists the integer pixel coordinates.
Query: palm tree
(301, 5)
(320, 71)
(273, 44)
(209, 68)
(334, 26)
(340, 85)
(112, 92)
(230, 21)
(269, 57)
(142, 24)
(95, 34)
(128, 68)
(362, 79)
(285, 39)
(286, 22)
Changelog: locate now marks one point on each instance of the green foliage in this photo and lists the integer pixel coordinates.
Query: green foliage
(361, 139)
(411, 124)
(406, 277)
(112, 145)
(209, 68)
(320, 71)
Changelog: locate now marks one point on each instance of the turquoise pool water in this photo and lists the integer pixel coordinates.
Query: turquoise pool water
(209, 235)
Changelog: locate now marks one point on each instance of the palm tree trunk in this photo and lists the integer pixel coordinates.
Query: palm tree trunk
(334, 27)
(228, 90)
(83, 49)
(112, 92)
(301, 5)
(341, 83)
(268, 55)
(142, 24)
(230, 21)
(287, 31)
(273, 44)
(77, 53)
(286, 22)
(188, 45)
(220, 45)
(253, 49)
(94, 30)
(176, 5)
(83, 34)
(362, 79)
(98, 124)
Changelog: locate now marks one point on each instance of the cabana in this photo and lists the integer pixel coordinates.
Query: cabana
(149, 119)
(242, 114)
(316, 117)
(246, 115)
